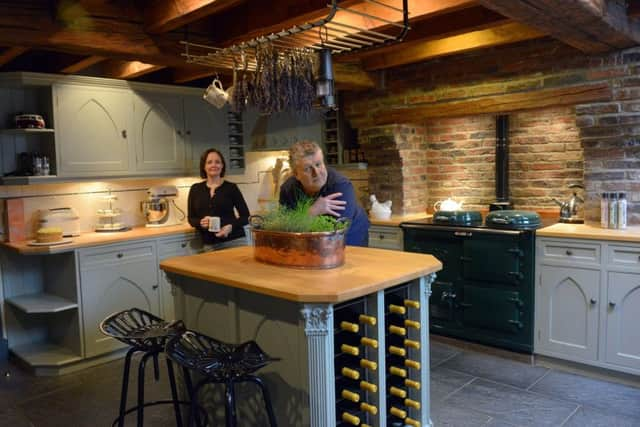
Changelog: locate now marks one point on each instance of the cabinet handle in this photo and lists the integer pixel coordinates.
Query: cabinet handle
(124, 133)
(593, 301)
(188, 132)
(154, 287)
(569, 253)
(381, 236)
(120, 255)
(612, 304)
(183, 245)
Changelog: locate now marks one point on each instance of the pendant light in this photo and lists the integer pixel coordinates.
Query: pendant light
(324, 83)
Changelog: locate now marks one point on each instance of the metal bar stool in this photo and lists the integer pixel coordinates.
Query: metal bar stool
(221, 363)
(147, 334)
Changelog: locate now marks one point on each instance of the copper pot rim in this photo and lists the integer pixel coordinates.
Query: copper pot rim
(299, 233)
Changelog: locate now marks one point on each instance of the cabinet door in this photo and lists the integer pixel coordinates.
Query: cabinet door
(206, 127)
(170, 248)
(159, 134)
(623, 335)
(567, 312)
(115, 279)
(92, 130)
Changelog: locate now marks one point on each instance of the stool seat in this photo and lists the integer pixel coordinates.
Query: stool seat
(223, 363)
(145, 333)
(141, 329)
(215, 359)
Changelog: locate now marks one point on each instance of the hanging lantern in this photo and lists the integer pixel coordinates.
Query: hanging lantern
(324, 84)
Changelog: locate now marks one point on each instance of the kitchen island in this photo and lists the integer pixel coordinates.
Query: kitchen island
(302, 317)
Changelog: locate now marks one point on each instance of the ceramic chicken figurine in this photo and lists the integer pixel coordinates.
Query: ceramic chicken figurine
(380, 210)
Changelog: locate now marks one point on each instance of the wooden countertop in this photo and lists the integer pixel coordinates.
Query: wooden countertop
(103, 238)
(366, 270)
(395, 220)
(585, 231)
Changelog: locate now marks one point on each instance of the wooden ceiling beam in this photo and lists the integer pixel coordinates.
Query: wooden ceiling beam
(82, 64)
(128, 69)
(10, 54)
(496, 104)
(592, 26)
(421, 50)
(166, 15)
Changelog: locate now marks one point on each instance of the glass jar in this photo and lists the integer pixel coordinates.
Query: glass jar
(604, 210)
(622, 210)
(613, 210)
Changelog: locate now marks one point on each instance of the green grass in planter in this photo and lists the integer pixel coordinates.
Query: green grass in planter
(298, 220)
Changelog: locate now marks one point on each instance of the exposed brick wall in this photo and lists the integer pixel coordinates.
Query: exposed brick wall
(597, 144)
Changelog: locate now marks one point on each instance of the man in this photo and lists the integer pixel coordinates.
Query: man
(333, 193)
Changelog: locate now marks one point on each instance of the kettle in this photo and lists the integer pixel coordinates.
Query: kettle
(569, 209)
(380, 210)
(447, 205)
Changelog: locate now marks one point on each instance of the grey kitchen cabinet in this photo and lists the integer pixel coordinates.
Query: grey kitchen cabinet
(169, 247)
(386, 237)
(115, 278)
(567, 311)
(587, 294)
(160, 132)
(41, 310)
(93, 130)
(205, 127)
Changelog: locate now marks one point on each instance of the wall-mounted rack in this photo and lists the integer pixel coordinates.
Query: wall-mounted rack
(336, 31)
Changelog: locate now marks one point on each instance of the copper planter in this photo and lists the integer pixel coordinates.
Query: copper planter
(316, 250)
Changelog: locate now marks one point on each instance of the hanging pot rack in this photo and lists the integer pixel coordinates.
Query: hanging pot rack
(325, 33)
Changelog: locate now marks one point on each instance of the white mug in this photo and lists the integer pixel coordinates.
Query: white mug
(215, 94)
(214, 224)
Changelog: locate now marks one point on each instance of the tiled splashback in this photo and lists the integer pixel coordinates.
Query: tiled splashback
(87, 197)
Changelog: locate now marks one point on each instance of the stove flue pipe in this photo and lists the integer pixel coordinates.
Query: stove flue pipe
(502, 159)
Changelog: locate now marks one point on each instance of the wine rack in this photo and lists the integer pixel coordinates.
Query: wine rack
(380, 349)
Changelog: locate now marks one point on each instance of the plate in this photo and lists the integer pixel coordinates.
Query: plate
(59, 242)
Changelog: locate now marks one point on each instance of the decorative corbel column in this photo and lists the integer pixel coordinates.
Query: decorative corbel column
(318, 328)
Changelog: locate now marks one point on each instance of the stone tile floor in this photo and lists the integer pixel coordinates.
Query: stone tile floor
(469, 388)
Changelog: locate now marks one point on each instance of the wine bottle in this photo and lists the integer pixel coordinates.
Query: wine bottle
(368, 364)
(350, 395)
(403, 403)
(349, 418)
(354, 408)
(397, 309)
(355, 386)
(398, 392)
(399, 372)
(398, 381)
(351, 315)
(411, 422)
(412, 344)
(411, 324)
(412, 364)
(367, 320)
(397, 330)
(354, 340)
(397, 412)
(349, 327)
(350, 373)
(398, 351)
(402, 301)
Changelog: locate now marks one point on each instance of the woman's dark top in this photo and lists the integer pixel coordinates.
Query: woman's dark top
(222, 204)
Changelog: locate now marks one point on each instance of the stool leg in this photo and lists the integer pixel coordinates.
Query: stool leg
(174, 393)
(125, 386)
(230, 404)
(141, 369)
(266, 397)
(156, 367)
(193, 410)
(193, 398)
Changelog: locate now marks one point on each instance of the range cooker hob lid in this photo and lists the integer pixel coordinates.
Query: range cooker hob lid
(513, 220)
(463, 218)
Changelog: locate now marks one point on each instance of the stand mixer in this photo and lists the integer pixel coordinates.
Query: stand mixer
(160, 208)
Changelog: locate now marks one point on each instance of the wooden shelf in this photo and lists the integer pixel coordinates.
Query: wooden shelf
(41, 303)
(45, 354)
(16, 131)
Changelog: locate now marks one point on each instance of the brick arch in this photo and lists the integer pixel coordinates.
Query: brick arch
(397, 165)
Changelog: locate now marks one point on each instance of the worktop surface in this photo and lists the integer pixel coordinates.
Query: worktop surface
(366, 270)
(586, 231)
(100, 238)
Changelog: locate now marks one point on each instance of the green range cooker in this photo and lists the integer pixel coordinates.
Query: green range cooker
(485, 291)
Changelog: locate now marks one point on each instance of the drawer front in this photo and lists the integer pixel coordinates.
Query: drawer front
(385, 238)
(115, 255)
(625, 256)
(177, 247)
(570, 251)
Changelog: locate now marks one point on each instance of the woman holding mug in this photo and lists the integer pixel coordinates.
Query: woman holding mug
(213, 203)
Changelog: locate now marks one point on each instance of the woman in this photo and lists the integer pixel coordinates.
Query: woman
(216, 197)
